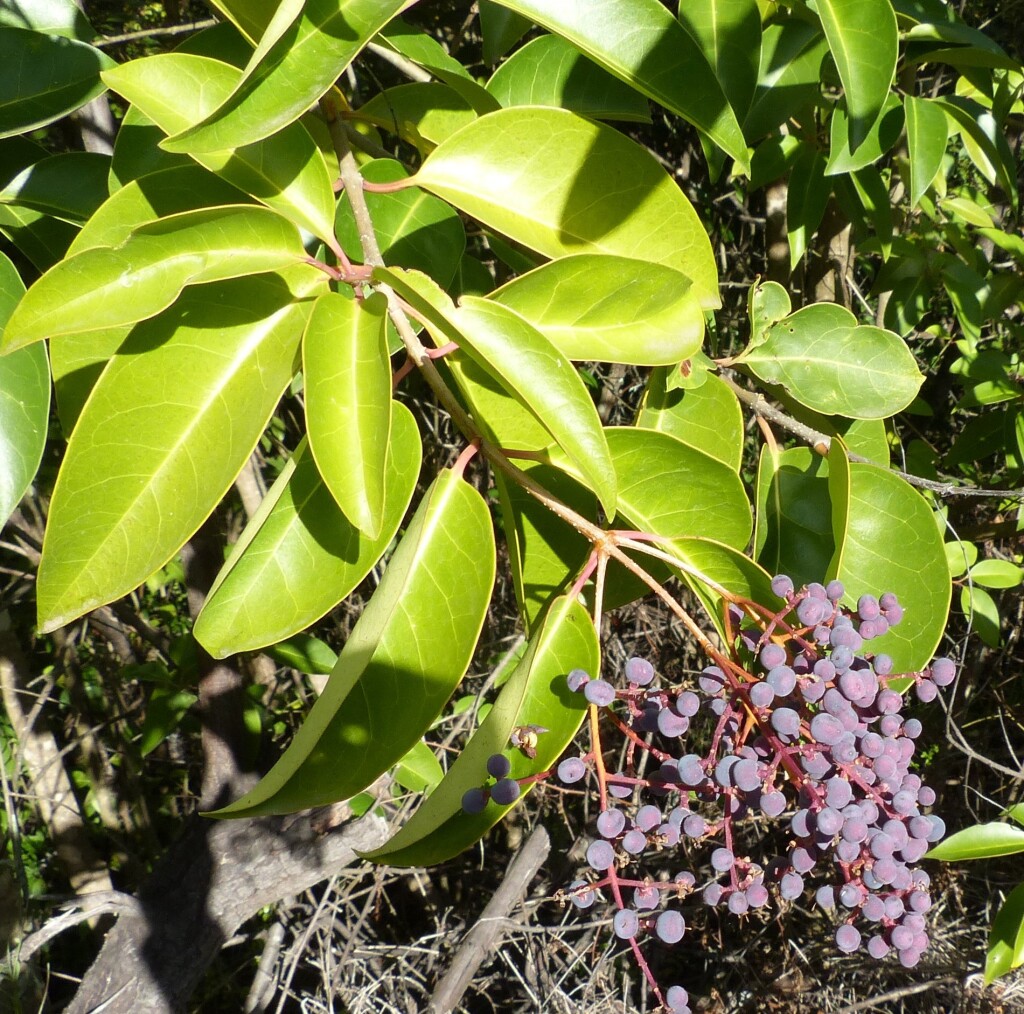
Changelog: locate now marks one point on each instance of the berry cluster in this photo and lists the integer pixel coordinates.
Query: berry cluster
(799, 722)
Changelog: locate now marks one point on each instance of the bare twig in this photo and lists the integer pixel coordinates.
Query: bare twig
(155, 33)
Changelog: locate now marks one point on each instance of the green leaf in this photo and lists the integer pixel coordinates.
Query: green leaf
(1006, 938)
(967, 211)
(296, 71)
(45, 77)
(299, 556)
(165, 709)
(536, 694)
(305, 653)
(141, 472)
(807, 198)
(788, 78)
(348, 402)
(104, 287)
(983, 841)
(982, 614)
(286, 172)
(51, 17)
(69, 186)
(707, 417)
(880, 138)
(137, 151)
(24, 404)
(873, 194)
(882, 511)
(984, 142)
(832, 364)
(561, 184)
(501, 30)
(793, 534)
(422, 111)
(960, 556)
(414, 229)
(864, 41)
(927, 133)
(405, 656)
(610, 309)
(642, 44)
(419, 770)
(549, 71)
(997, 574)
(729, 34)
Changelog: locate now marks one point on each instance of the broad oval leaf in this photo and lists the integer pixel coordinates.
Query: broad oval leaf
(535, 694)
(142, 472)
(863, 37)
(881, 511)
(103, 287)
(1006, 938)
(24, 404)
(286, 171)
(51, 17)
(69, 186)
(310, 55)
(983, 841)
(406, 654)
(299, 556)
(880, 138)
(348, 402)
(832, 364)
(707, 417)
(45, 77)
(423, 111)
(561, 184)
(640, 42)
(610, 309)
(549, 71)
(927, 133)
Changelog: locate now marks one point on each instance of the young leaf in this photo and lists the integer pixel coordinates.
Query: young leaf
(24, 404)
(141, 473)
(286, 172)
(299, 556)
(561, 184)
(832, 364)
(612, 309)
(983, 841)
(104, 287)
(864, 41)
(1006, 938)
(299, 68)
(405, 656)
(997, 574)
(927, 133)
(549, 71)
(348, 402)
(44, 77)
(535, 694)
(640, 42)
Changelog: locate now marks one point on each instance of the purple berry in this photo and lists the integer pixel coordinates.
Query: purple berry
(577, 680)
(571, 770)
(474, 800)
(599, 692)
(498, 765)
(505, 792)
(626, 923)
(639, 671)
(670, 927)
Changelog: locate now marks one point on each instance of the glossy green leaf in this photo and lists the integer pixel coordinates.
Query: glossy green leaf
(45, 77)
(997, 574)
(501, 30)
(983, 841)
(70, 186)
(789, 75)
(419, 770)
(348, 402)
(76, 362)
(404, 657)
(549, 71)
(806, 201)
(561, 184)
(881, 137)
(767, 304)
(299, 556)
(610, 309)
(640, 42)
(983, 141)
(729, 34)
(707, 417)
(297, 70)
(251, 17)
(51, 17)
(425, 111)
(883, 511)
(864, 42)
(414, 229)
(286, 171)
(832, 364)
(104, 287)
(960, 556)
(536, 694)
(873, 193)
(927, 133)
(1006, 938)
(531, 369)
(137, 151)
(142, 472)
(967, 211)
(982, 613)
(305, 653)
(793, 534)
(24, 404)
(165, 709)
